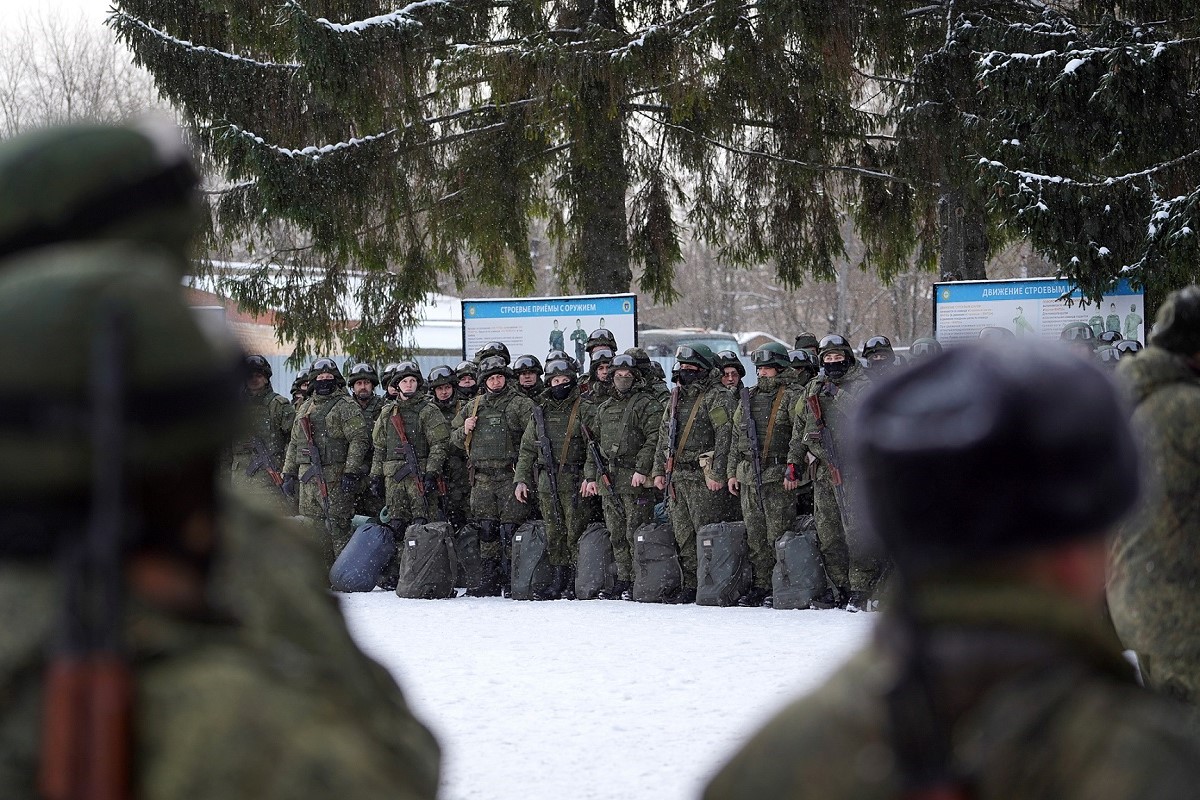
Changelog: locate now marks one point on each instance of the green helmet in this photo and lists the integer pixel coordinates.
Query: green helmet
(493, 365)
(441, 375)
(408, 369)
(835, 343)
(698, 355)
(258, 363)
(1078, 332)
(389, 370)
(771, 354)
(1177, 325)
(526, 363)
(728, 358)
(924, 347)
(492, 349)
(360, 371)
(301, 378)
(807, 341)
(179, 382)
(467, 368)
(84, 182)
(601, 337)
(878, 344)
(322, 365)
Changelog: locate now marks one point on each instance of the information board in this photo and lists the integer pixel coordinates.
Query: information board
(537, 325)
(1032, 307)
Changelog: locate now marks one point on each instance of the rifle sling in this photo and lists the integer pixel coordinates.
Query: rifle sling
(471, 433)
(766, 446)
(687, 428)
(566, 445)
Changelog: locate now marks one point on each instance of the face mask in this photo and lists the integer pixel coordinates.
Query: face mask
(836, 369)
(324, 386)
(623, 383)
(689, 376)
(468, 391)
(560, 392)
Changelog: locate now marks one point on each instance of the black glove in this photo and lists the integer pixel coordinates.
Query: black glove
(431, 483)
(377, 486)
(289, 485)
(350, 482)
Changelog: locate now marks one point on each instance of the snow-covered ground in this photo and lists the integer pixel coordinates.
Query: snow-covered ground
(600, 699)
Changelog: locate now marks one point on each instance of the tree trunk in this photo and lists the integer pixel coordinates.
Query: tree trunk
(962, 225)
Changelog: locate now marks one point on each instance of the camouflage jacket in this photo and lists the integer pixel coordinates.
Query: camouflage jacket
(626, 429)
(773, 455)
(339, 430)
(558, 415)
(501, 421)
(1154, 568)
(713, 407)
(281, 705)
(424, 426)
(1033, 691)
(267, 417)
(836, 400)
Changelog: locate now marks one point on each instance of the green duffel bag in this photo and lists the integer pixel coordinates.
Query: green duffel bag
(656, 571)
(531, 574)
(596, 569)
(799, 574)
(428, 566)
(723, 572)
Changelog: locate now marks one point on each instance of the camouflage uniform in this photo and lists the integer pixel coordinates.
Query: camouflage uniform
(1155, 570)
(366, 503)
(850, 565)
(267, 421)
(455, 467)
(1039, 703)
(343, 440)
(780, 504)
(691, 503)
(429, 434)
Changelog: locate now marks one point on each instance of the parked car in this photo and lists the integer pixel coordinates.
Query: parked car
(662, 342)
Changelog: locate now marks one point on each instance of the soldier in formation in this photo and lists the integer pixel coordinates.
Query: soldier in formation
(258, 453)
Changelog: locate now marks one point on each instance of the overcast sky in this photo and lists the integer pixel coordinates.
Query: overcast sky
(93, 10)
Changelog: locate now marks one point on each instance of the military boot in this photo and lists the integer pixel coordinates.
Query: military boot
(568, 591)
(489, 584)
(753, 598)
(617, 592)
(507, 529)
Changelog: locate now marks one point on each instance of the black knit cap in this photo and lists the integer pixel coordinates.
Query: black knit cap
(985, 451)
(1177, 326)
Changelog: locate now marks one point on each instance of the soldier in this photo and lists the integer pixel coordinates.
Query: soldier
(1078, 336)
(492, 349)
(625, 425)
(363, 382)
(1155, 570)
(652, 380)
(698, 415)
(924, 347)
(385, 380)
(599, 380)
(329, 429)
(761, 431)
(259, 453)
(220, 559)
(466, 380)
(818, 446)
(803, 368)
(879, 358)
(529, 375)
(732, 370)
(601, 337)
(445, 399)
(555, 446)
(410, 440)
(994, 676)
(299, 389)
(807, 341)
(488, 430)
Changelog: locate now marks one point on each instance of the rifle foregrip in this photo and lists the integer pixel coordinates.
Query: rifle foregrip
(61, 739)
(110, 726)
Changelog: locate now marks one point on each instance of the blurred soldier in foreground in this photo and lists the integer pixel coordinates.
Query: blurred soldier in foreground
(992, 674)
(1156, 556)
(258, 454)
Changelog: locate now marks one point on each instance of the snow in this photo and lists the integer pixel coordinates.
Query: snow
(594, 699)
(1072, 65)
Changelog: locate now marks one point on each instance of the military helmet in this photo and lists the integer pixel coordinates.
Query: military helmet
(89, 181)
(771, 354)
(698, 355)
(408, 369)
(878, 344)
(526, 363)
(493, 365)
(624, 361)
(806, 341)
(360, 371)
(835, 343)
(1128, 347)
(924, 347)
(657, 369)
(492, 349)
(258, 363)
(601, 337)
(602, 355)
(1078, 332)
(326, 365)
(441, 375)
(467, 368)
(178, 382)
(728, 358)
(996, 332)
(385, 377)
(639, 355)
(560, 366)
(1108, 337)
(800, 358)
(1108, 355)
(562, 355)
(1177, 325)
(301, 378)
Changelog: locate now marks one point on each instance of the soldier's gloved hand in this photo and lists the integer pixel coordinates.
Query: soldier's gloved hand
(289, 485)
(350, 482)
(377, 487)
(792, 473)
(431, 483)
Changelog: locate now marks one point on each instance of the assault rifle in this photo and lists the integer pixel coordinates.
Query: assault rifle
(755, 450)
(316, 471)
(672, 435)
(262, 460)
(547, 452)
(412, 465)
(597, 457)
(830, 389)
(87, 705)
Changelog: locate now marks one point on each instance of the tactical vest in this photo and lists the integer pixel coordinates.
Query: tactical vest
(410, 412)
(620, 436)
(701, 438)
(558, 415)
(492, 439)
(760, 410)
(333, 448)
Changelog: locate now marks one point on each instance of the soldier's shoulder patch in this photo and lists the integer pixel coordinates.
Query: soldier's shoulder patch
(718, 415)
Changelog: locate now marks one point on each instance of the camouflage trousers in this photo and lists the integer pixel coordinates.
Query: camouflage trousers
(404, 499)
(334, 532)
(691, 507)
(458, 491)
(562, 533)
(763, 531)
(492, 498)
(849, 561)
(625, 511)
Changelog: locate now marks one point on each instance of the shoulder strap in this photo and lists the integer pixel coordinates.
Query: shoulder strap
(687, 428)
(779, 393)
(471, 434)
(566, 445)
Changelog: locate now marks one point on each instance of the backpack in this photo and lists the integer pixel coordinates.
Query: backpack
(466, 550)
(723, 572)
(596, 570)
(531, 573)
(799, 574)
(656, 571)
(361, 563)
(428, 566)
